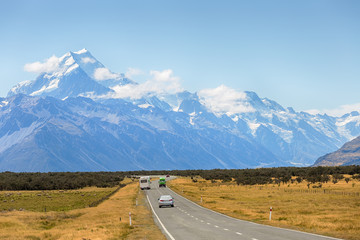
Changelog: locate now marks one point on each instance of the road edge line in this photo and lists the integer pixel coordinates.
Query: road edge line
(269, 226)
(162, 225)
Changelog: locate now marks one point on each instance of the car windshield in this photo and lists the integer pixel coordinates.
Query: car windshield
(165, 197)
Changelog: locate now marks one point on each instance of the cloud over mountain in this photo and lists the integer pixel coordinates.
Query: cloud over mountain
(49, 65)
(225, 100)
(104, 74)
(160, 82)
(157, 120)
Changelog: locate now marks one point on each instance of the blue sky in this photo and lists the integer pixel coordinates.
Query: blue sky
(304, 54)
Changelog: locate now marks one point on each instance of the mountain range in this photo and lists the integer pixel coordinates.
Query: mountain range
(71, 119)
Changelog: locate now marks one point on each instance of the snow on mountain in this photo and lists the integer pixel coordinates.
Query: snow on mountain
(73, 74)
(78, 134)
(216, 128)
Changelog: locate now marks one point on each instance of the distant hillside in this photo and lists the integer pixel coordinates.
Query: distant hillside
(349, 154)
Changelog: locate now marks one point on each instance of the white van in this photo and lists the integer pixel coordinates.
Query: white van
(144, 182)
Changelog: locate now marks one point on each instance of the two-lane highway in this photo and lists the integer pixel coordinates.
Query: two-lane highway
(188, 220)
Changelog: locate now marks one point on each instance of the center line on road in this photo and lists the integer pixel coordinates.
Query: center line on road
(265, 226)
(208, 223)
(216, 226)
(226, 229)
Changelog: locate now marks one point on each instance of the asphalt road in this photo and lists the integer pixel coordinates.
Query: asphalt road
(187, 220)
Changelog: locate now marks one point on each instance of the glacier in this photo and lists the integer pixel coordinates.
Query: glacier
(66, 120)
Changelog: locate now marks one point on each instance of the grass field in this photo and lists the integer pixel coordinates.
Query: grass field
(333, 209)
(41, 201)
(109, 220)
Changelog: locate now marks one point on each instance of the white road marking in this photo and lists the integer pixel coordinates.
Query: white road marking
(253, 239)
(226, 229)
(196, 218)
(238, 233)
(265, 226)
(216, 226)
(162, 225)
(201, 221)
(208, 223)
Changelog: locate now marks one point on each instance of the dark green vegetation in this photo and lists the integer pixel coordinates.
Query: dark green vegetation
(77, 180)
(267, 175)
(59, 180)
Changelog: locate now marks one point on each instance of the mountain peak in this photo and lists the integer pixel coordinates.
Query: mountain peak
(70, 75)
(84, 50)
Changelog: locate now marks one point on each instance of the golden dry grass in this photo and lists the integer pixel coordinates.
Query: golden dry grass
(334, 213)
(52, 200)
(109, 220)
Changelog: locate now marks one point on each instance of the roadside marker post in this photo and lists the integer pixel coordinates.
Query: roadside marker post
(270, 214)
(130, 217)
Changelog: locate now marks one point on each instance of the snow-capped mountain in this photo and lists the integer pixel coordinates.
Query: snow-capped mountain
(63, 118)
(73, 74)
(78, 134)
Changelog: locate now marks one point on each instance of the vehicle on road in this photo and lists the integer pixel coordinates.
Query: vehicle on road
(144, 182)
(168, 175)
(166, 200)
(162, 182)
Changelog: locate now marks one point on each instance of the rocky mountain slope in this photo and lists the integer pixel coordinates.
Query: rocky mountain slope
(349, 154)
(78, 134)
(68, 119)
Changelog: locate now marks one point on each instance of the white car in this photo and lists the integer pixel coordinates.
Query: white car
(166, 200)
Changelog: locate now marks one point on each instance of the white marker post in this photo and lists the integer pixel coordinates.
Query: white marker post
(130, 217)
(270, 214)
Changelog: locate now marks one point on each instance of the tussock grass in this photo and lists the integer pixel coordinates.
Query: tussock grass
(54, 200)
(333, 212)
(109, 220)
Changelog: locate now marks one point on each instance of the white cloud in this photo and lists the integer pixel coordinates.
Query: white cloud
(337, 112)
(50, 65)
(164, 81)
(161, 82)
(225, 100)
(104, 74)
(87, 60)
(133, 72)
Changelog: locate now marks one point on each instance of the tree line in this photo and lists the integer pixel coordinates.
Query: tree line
(268, 175)
(58, 180)
(76, 180)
